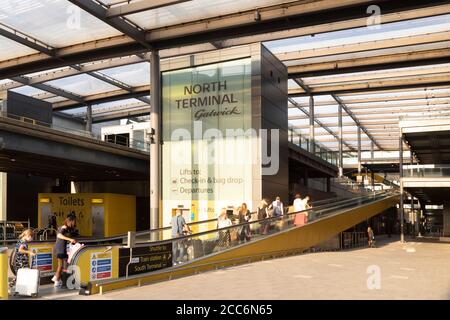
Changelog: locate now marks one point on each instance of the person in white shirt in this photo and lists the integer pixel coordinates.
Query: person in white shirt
(298, 203)
(277, 207)
(300, 207)
(222, 222)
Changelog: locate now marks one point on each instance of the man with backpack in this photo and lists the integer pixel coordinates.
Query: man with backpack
(179, 229)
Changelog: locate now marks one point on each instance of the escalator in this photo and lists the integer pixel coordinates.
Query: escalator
(108, 267)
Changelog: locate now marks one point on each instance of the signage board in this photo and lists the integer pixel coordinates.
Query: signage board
(144, 259)
(207, 149)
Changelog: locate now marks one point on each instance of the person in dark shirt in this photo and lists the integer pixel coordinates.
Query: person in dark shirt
(62, 240)
(244, 233)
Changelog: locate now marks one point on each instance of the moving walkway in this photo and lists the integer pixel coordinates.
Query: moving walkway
(149, 258)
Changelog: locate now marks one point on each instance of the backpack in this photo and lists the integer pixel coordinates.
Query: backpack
(277, 210)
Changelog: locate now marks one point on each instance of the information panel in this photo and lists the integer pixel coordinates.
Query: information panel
(208, 149)
(145, 259)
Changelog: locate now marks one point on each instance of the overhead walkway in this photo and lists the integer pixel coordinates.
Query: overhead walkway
(151, 261)
(30, 147)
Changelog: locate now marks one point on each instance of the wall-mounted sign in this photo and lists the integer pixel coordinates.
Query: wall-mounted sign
(145, 259)
(101, 266)
(207, 152)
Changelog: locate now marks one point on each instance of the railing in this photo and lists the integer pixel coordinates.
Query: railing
(10, 230)
(225, 238)
(427, 170)
(351, 240)
(315, 148)
(124, 141)
(192, 247)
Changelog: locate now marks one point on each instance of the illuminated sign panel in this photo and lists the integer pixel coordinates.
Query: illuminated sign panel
(208, 150)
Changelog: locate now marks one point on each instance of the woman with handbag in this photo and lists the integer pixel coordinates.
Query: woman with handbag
(262, 215)
(244, 216)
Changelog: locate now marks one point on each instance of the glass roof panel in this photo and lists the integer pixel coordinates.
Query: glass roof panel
(65, 24)
(133, 75)
(113, 104)
(56, 99)
(55, 70)
(11, 49)
(28, 91)
(194, 10)
(356, 35)
(83, 85)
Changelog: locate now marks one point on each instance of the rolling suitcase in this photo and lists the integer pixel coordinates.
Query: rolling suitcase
(27, 282)
(195, 250)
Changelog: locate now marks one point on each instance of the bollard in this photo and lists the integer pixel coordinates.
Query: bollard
(3, 273)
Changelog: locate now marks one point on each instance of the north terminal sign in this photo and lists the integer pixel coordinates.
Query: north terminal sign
(198, 102)
(222, 123)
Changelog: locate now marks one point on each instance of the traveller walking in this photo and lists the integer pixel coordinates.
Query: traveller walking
(277, 206)
(298, 203)
(223, 222)
(22, 254)
(299, 207)
(179, 229)
(371, 237)
(244, 216)
(263, 214)
(307, 206)
(63, 238)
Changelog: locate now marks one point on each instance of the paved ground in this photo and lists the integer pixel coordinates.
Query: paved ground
(416, 270)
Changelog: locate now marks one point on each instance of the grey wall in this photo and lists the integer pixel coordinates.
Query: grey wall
(446, 219)
(274, 115)
(20, 105)
(61, 121)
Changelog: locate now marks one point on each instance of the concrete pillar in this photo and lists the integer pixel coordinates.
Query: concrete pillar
(359, 150)
(4, 273)
(412, 216)
(372, 177)
(446, 220)
(155, 148)
(400, 165)
(341, 158)
(311, 124)
(89, 118)
(305, 177)
(3, 196)
(372, 154)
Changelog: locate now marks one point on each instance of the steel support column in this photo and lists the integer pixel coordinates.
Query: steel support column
(372, 155)
(412, 215)
(155, 148)
(311, 124)
(359, 150)
(341, 158)
(400, 166)
(89, 118)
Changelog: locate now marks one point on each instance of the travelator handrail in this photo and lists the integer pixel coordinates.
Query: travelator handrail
(168, 272)
(326, 207)
(108, 240)
(149, 232)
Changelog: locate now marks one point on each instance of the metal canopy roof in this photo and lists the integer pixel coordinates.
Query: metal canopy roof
(74, 53)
